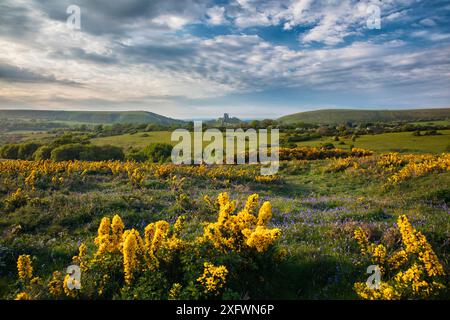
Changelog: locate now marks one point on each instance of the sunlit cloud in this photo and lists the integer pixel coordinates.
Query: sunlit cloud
(200, 58)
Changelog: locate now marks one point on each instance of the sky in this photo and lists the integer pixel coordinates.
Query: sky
(200, 58)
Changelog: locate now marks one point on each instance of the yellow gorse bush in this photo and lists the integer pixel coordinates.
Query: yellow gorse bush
(57, 173)
(411, 271)
(313, 153)
(24, 268)
(23, 296)
(132, 250)
(159, 247)
(416, 243)
(421, 165)
(242, 230)
(55, 286)
(341, 164)
(213, 277)
(394, 167)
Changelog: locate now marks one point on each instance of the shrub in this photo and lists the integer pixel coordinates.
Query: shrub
(432, 133)
(303, 137)
(138, 156)
(26, 150)
(158, 152)
(67, 152)
(101, 153)
(412, 271)
(86, 152)
(23, 151)
(43, 153)
(69, 139)
(16, 200)
(9, 151)
(328, 145)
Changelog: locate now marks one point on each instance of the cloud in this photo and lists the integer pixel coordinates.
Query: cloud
(188, 56)
(17, 20)
(16, 74)
(171, 21)
(427, 22)
(215, 15)
(79, 54)
(118, 18)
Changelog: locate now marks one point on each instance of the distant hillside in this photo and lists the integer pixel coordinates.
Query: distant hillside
(104, 117)
(333, 116)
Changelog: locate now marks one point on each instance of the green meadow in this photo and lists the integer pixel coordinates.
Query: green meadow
(403, 142)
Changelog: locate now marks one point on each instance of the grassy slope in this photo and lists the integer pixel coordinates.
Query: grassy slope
(106, 117)
(343, 115)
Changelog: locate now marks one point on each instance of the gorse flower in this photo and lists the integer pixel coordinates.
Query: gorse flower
(265, 214)
(261, 237)
(178, 225)
(24, 268)
(223, 199)
(103, 236)
(79, 259)
(69, 290)
(55, 286)
(416, 243)
(213, 278)
(175, 291)
(23, 296)
(242, 230)
(420, 277)
(131, 251)
(251, 203)
(117, 228)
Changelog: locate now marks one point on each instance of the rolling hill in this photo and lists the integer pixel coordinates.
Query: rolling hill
(334, 116)
(104, 117)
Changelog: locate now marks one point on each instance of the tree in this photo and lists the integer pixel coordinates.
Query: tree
(43, 153)
(67, 152)
(86, 152)
(9, 151)
(101, 153)
(26, 150)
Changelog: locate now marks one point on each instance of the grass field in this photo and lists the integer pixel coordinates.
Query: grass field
(138, 140)
(393, 142)
(432, 123)
(403, 142)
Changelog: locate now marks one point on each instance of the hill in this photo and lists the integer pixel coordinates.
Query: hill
(104, 117)
(333, 116)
